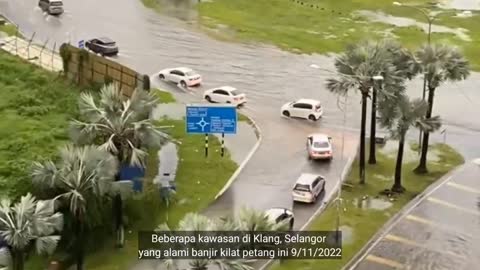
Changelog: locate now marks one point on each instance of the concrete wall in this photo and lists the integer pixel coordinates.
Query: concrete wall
(85, 67)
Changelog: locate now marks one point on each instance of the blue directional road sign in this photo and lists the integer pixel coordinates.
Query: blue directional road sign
(81, 44)
(202, 119)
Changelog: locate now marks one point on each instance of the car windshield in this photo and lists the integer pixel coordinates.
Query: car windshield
(235, 92)
(108, 43)
(300, 187)
(56, 4)
(190, 73)
(320, 144)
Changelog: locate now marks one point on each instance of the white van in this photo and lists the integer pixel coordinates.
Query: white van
(308, 187)
(52, 7)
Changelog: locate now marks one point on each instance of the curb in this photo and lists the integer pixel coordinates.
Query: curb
(358, 257)
(234, 176)
(345, 171)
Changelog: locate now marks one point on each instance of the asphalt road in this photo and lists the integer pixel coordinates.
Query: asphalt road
(440, 232)
(268, 76)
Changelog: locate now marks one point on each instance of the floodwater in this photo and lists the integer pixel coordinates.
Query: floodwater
(461, 4)
(406, 22)
(372, 203)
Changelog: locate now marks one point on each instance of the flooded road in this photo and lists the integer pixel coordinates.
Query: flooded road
(270, 77)
(440, 232)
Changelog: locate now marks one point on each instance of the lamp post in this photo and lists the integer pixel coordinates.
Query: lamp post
(430, 18)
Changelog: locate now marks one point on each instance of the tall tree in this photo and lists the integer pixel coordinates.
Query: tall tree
(406, 114)
(390, 83)
(120, 126)
(81, 180)
(439, 63)
(25, 224)
(356, 69)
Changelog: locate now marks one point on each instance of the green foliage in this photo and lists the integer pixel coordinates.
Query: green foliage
(66, 55)
(365, 222)
(35, 106)
(163, 96)
(198, 180)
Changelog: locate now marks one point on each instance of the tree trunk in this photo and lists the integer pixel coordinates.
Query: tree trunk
(397, 186)
(80, 244)
(362, 138)
(422, 166)
(118, 215)
(372, 159)
(17, 259)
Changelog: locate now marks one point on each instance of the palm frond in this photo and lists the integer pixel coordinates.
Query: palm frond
(46, 244)
(45, 175)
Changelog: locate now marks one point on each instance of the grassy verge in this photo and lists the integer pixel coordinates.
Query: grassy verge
(364, 222)
(8, 29)
(164, 96)
(323, 26)
(35, 107)
(198, 181)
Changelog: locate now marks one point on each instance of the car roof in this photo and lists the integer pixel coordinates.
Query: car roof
(319, 137)
(307, 178)
(308, 101)
(183, 69)
(105, 40)
(51, 1)
(227, 88)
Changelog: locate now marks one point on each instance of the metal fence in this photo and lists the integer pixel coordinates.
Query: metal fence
(32, 50)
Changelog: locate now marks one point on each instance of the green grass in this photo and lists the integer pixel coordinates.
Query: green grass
(328, 28)
(366, 222)
(35, 109)
(198, 180)
(164, 96)
(9, 29)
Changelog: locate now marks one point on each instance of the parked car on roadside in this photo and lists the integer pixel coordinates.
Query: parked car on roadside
(303, 108)
(308, 187)
(319, 146)
(52, 7)
(278, 215)
(184, 76)
(225, 94)
(103, 46)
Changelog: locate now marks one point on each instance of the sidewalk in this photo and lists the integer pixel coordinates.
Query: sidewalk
(33, 53)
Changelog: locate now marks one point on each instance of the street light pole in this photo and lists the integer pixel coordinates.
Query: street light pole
(430, 18)
(339, 200)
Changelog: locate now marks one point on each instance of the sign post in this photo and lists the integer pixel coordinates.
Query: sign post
(211, 119)
(81, 44)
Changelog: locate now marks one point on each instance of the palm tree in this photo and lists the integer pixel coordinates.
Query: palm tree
(356, 69)
(407, 114)
(438, 63)
(25, 224)
(120, 126)
(194, 222)
(390, 84)
(81, 180)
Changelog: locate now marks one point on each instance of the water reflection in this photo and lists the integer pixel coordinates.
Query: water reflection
(182, 9)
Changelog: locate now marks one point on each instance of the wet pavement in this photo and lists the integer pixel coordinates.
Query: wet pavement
(440, 232)
(270, 77)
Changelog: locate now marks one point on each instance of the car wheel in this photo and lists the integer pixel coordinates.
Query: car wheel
(161, 76)
(286, 113)
(183, 84)
(228, 102)
(208, 98)
(312, 117)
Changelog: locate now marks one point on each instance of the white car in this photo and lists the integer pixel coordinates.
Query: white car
(278, 215)
(225, 94)
(319, 146)
(308, 187)
(303, 108)
(182, 75)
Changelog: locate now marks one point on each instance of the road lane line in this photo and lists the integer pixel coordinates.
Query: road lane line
(399, 239)
(443, 227)
(387, 262)
(453, 206)
(463, 187)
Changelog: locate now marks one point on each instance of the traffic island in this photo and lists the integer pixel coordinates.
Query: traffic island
(364, 211)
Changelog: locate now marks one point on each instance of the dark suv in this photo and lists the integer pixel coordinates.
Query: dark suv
(103, 46)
